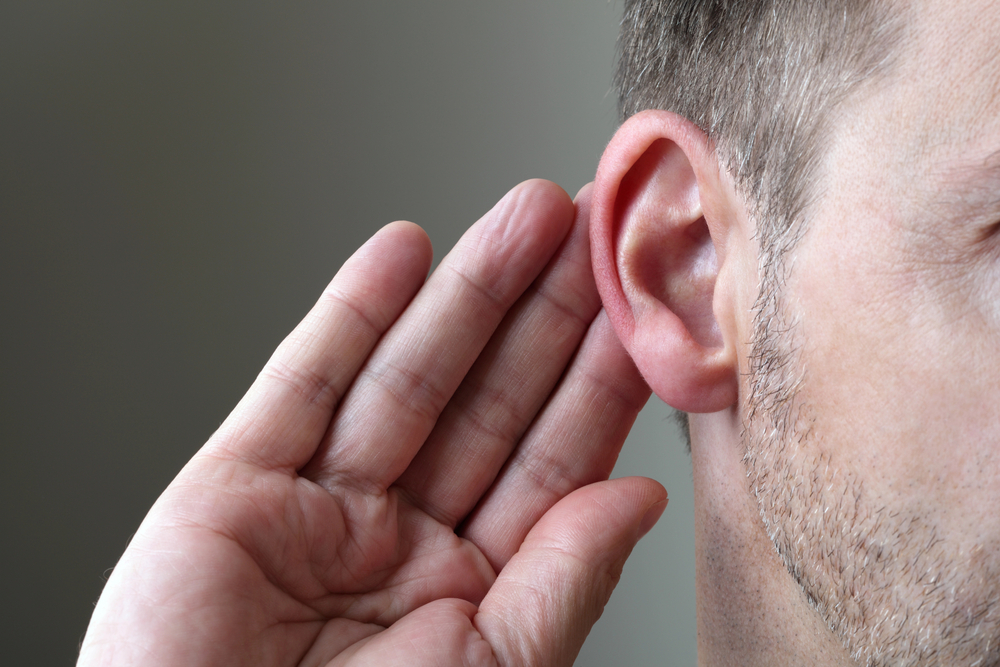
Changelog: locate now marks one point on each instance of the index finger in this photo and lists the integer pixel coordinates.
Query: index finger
(282, 418)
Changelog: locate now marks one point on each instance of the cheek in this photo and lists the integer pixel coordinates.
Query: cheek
(901, 377)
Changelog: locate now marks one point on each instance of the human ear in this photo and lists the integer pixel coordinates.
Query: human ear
(660, 220)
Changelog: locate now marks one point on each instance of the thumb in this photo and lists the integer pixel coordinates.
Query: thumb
(554, 589)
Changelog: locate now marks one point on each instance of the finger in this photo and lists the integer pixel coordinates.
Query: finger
(282, 418)
(438, 633)
(551, 593)
(413, 372)
(508, 384)
(575, 441)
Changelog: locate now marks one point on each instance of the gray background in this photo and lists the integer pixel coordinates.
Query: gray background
(177, 184)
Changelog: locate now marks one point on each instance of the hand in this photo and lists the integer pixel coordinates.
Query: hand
(415, 476)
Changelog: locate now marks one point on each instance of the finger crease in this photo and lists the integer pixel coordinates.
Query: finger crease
(411, 390)
(314, 388)
(338, 297)
(490, 293)
(561, 306)
(482, 415)
(546, 473)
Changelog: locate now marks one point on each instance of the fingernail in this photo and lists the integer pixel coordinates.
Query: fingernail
(651, 516)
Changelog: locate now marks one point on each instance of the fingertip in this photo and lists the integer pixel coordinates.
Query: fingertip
(402, 226)
(649, 488)
(530, 223)
(543, 186)
(409, 235)
(539, 192)
(582, 202)
(400, 244)
(652, 515)
(641, 497)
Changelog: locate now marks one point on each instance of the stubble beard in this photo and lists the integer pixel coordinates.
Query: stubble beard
(884, 580)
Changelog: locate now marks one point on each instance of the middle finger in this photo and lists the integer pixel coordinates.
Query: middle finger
(508, 385)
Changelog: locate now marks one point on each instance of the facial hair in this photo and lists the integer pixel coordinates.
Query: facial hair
(882, 577)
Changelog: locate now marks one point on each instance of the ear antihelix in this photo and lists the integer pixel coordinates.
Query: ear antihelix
(677, 270)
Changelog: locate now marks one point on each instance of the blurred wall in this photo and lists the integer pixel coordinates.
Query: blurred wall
(178, 181)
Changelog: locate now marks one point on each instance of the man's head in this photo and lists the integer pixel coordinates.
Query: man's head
(805, 244)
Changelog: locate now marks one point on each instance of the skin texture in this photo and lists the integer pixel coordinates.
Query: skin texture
(896, 537)
(849, 517)
(358, 506)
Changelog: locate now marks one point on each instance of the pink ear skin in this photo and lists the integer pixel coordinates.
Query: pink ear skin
(657, 233)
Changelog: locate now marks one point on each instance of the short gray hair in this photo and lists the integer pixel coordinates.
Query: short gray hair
(762, 78)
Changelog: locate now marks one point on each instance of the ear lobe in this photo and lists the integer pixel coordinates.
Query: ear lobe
(655, 259)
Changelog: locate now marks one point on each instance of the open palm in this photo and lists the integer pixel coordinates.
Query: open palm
(415, 476)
